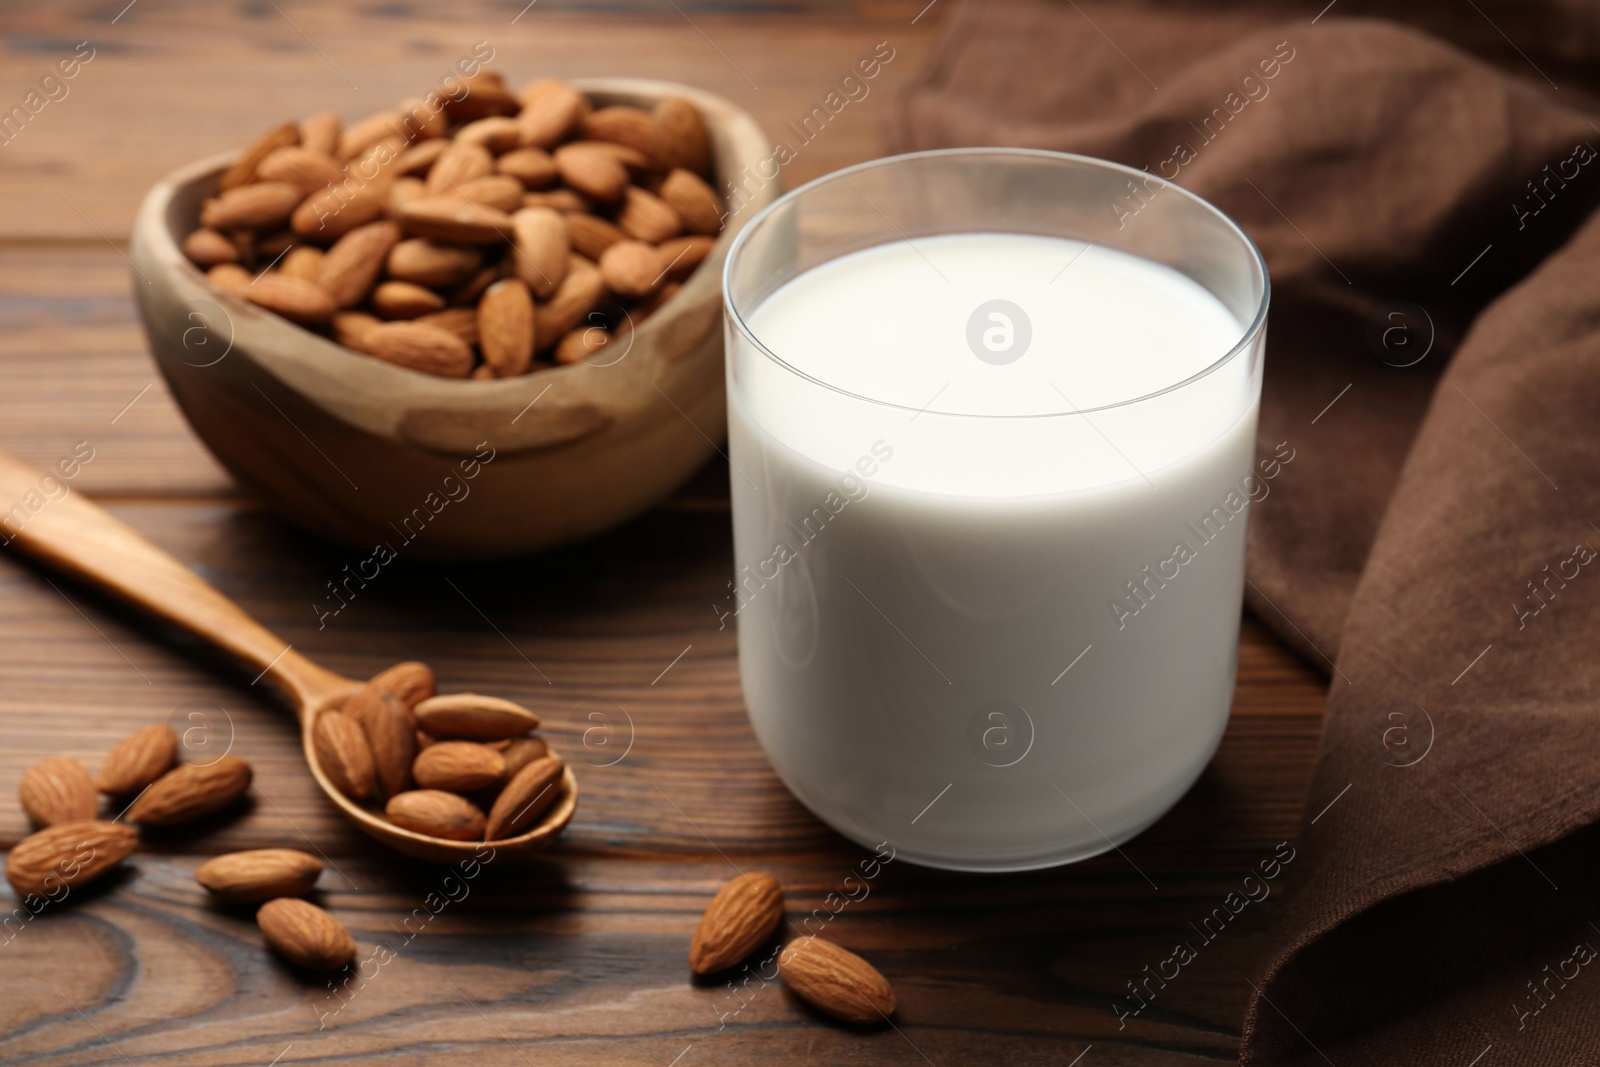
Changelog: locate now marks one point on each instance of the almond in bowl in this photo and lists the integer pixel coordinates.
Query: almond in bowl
(512, 308)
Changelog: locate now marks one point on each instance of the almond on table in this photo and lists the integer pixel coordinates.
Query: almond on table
(371, 232)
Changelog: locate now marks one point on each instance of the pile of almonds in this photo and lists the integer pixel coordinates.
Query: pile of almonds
(745, 914)
(437, 762)
(494, 236)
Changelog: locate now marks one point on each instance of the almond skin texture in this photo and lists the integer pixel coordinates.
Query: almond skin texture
(421, 347)
(647, 217)
(592, 171)
(436, 813)
(505, 327)
(458, 766)
(591, 235)
(351, 267)
(190, 791)
(57, 790)
(259, 874)
(470, 717)
(344, 754)
(305, 935)
(243, 170)
(139, 759)
(836, 981)
(530, 794)
(66, 856)
(742, 916)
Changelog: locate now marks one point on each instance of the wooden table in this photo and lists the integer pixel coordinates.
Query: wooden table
(579, 959)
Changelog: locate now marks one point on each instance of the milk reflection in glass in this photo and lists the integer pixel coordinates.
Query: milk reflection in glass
(996, 635)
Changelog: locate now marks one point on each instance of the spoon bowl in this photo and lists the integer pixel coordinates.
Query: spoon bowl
(78, 538)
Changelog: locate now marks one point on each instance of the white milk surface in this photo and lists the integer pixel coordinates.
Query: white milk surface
(929, 571)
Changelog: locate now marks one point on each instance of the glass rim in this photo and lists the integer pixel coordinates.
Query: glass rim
(1246, 339)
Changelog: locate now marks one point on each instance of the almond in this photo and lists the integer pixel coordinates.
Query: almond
(462, 322)
(139, 759)
(57, 790)
(486, 94)
(320, 132)
(566, 201)
(685, 139)
(497, 133)
(683, 254)
(461, 162)
(632, 269)
(353, 264)
(344, 754)
(303, 262)
(259, 874)
(592, 171)
(405, 191)
(66, 856)
(411, 681)
(742, 916)
(591, 235)
(469, 292)
(391, 732)
(550, 109)
(426, 263)
(647, 217)
(305, 935)
(527, 796)
(454, 220)
(693, 200)
(533, 167)
(207, 248)
(329, 214)
(470, 717)
(421, 347)
(293, 298)
(539, 241)
(505, 328)
(230, 278)
(458, 766)
(575, 297)
(190, 791)
(367, 132)
(243, 170)
(836, 981)
(520, 752)
(300, 167)
(436, 813)
(500, 191)
(634, 160)
(352, 328)
(578, 345)
(627, 125)
(405, 300)
(420, 120)
(420, 157)
(251, 207)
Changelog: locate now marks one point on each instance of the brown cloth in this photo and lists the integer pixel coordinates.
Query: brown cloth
(1423, 194)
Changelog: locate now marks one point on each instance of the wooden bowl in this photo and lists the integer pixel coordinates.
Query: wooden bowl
(372, 455)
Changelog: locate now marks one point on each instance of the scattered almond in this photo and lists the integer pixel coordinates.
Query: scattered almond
(437, 814)
(470, 717)
(57, 790)
(742, 916)
(68, 855)
(259, 874)
(306, 935)
(836, 981)
(138, 760)
(527, 796)
(191, 791)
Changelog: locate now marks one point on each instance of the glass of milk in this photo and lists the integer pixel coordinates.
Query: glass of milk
(992, 434)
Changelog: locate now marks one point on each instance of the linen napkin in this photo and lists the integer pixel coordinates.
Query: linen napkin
(1423, 193)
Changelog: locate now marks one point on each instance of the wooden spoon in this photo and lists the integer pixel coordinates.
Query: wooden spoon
(71, 534)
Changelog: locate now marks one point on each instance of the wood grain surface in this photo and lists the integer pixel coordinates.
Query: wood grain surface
(580, 958)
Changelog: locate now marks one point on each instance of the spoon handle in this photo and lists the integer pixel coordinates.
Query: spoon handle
(53, 525)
